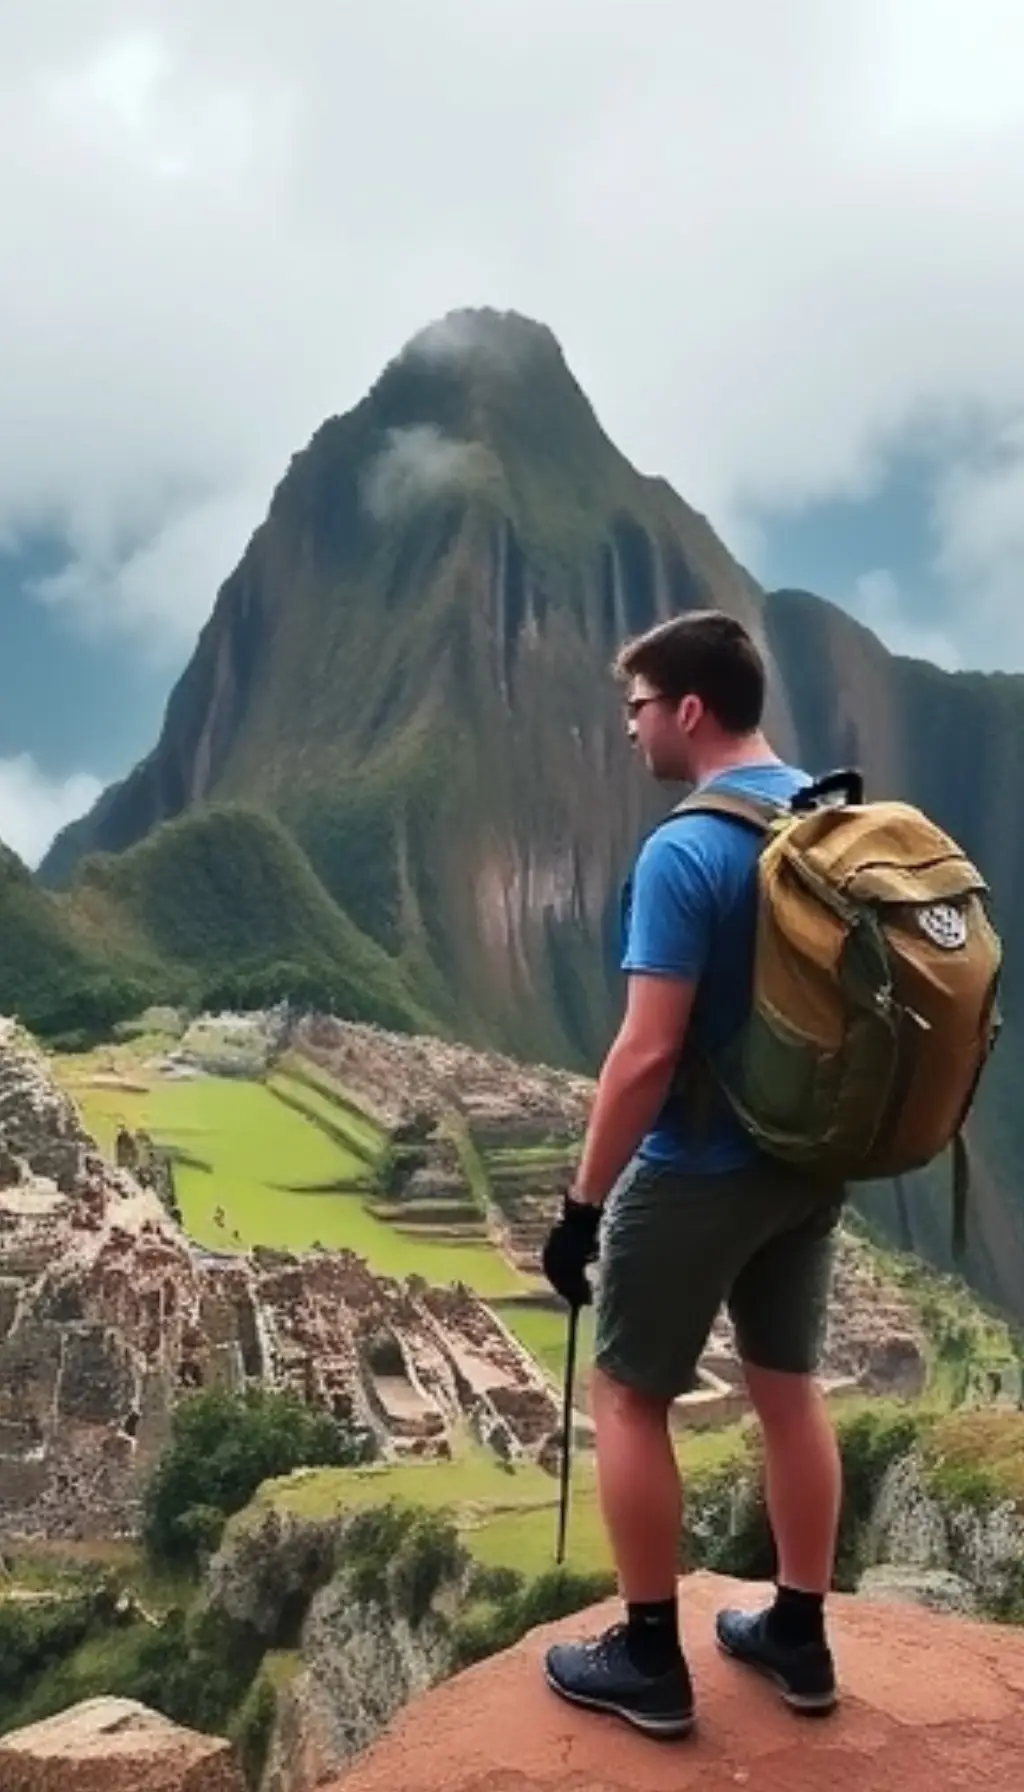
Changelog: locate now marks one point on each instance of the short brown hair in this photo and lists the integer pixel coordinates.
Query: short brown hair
(707, 654)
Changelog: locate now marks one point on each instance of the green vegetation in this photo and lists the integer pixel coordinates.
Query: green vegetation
(195, 1667)
(279, 1168)
(37, 1634)
(968, 1338)
(976, 1457)
(506, 1516)
(540, 1326)
(473, 1484)
(468, 1543)
(219, 908)
(253, 1724)
(55, 981)
(222, 1447)
(362, 1134)
(241, 1151)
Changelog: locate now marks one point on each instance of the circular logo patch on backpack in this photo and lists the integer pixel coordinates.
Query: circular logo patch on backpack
(944, 925)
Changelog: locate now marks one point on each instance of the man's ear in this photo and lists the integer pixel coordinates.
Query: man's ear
(689, 712)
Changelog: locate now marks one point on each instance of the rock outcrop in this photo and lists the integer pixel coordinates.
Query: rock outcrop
(362, 1662)
(108, 1315)
(928, 1701)
(974, 1544)
(115, 1745)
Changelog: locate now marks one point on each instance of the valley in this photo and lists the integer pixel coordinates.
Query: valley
(424, 1160)
(359, 1217)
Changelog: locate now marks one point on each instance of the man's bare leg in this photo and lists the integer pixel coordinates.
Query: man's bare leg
(803, 1487)
(638, 1483)
(803, 1475)
(638, 1672)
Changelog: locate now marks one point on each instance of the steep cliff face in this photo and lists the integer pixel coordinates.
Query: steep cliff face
(410, 667)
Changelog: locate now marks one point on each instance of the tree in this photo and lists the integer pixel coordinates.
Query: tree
(222, 1447)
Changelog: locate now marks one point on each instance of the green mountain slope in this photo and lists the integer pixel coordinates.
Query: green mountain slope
(217, 906)
(53, 978)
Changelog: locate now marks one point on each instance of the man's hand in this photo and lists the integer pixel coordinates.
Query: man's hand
(571, 1245)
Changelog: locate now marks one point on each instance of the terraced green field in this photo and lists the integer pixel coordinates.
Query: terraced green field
(542, 1330)
(284, 1161)
(507, 1517)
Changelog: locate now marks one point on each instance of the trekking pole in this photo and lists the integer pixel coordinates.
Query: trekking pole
(570, 1372)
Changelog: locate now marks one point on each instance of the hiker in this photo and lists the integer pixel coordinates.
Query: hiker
(693, 1215)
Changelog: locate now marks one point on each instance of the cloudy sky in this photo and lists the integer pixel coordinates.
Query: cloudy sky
(780, 240)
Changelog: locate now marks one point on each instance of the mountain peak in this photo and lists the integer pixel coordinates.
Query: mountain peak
(492, 379)
(480, 337)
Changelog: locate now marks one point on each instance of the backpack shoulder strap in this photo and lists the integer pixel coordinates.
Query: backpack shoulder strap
(758, 813)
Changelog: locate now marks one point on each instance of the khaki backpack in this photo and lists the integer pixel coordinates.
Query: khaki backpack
(875, 987)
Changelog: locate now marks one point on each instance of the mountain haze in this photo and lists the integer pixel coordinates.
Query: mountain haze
(408, 670)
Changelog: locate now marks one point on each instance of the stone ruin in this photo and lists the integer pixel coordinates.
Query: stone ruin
(108, 1316)
(526, 1122)
(397, 1075)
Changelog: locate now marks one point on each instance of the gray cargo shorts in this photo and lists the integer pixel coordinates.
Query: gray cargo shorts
(677, 1247)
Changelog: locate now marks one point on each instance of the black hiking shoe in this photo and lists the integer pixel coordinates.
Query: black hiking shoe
(804, 1674)
(601, 1676)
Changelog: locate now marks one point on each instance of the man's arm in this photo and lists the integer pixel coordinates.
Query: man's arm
(670, 930)
(634, 1080)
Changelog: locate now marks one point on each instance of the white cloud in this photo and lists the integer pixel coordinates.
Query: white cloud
(770, 238)
(979, 521)
(33, 807)
(159, 587)
(418, 463)
(876, 601)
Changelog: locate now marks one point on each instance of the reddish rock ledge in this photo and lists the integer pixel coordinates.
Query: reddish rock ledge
(929, 1702)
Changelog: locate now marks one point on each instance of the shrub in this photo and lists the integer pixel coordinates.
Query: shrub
(399, 1557)
(253, 1728)
(727, 1526)
(517, 1609)
(195, 1669)
(37, 1636)
(222, 1447)
(871, 1438)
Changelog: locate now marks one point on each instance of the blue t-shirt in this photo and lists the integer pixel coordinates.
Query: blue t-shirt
(692, 912)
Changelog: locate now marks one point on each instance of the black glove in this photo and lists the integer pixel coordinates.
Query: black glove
(571, 1245)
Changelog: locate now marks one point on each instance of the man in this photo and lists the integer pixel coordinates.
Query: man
(699, 1217)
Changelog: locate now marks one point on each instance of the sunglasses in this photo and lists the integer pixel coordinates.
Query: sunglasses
(635, 704)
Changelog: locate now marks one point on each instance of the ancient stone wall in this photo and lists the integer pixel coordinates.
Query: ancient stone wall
(396, 1075)
(108, 1317)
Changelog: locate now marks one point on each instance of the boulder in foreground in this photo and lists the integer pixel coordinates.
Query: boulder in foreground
(928, 1701)
(115, 1745)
